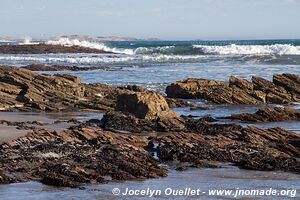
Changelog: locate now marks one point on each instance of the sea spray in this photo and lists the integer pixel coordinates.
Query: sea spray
(88, 44)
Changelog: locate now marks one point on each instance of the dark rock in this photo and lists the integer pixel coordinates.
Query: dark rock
(45, 49)
(250, 148)
(270, 114)
(134, 88)
(179, 103)
(70, 158)
(121, 121)
(38, 67)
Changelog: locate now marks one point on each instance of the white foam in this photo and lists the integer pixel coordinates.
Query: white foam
(101, 59)
(149, 50)
(87, 44)
(28, 40)
(233, 49)
(73, 60)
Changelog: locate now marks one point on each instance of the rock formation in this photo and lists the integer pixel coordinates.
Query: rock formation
(38, 67)
(25, 90)
(283, 89)
(250, 148)
(142, 111)
(45, 49)
(269, 114)
(70, 158)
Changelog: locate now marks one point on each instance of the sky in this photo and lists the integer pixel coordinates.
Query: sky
(164, 19)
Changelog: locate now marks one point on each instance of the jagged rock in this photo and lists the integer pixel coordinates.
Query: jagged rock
(122, 121)
(25, 90)
(21, 88)
(270, 114)
(178, 103)
(251, 147)
(283, 89)
(70, 158)
(240, 83)
(39, 67)
(193, 88)
(135, 88)
(44, 49)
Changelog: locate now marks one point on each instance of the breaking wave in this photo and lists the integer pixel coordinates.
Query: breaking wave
(100, 59)
(233, 49)
(88, 44)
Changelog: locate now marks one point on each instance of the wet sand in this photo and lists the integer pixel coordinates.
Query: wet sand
(52, 121)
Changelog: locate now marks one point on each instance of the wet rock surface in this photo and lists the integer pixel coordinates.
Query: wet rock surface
(283, 89)
(250, 148)
(44, 49)
(127, 122)
(70, 158)
(269, 114)
(38, 67)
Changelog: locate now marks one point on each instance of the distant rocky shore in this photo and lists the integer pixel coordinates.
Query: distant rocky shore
(45, 49)
(140, 131)
(39, 67)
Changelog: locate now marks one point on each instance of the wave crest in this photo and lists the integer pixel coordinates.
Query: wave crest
(233, 49)
(87, 44)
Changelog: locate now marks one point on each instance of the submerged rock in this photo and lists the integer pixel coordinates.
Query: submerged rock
(283, 89)
(269, 114)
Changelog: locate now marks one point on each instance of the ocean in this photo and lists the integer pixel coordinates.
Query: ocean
(155, 64)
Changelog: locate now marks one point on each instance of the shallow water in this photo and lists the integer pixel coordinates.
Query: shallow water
(229, 178)
(50, 121)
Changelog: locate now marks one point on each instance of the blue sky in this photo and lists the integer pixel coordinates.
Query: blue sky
(165, 19)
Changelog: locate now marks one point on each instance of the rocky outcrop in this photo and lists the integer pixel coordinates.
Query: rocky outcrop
(283, 89)
(250, 148)
(45, 49)
(142, 111)
(38, 67)
(145, 105)
(70, 158)
(127, 122)
(24, 90)
(269, 114)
